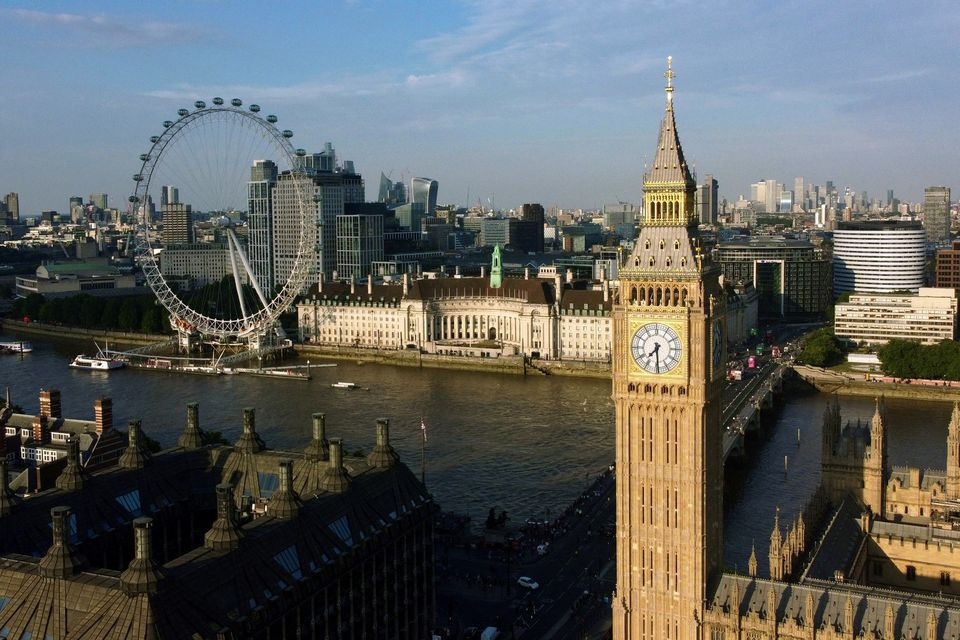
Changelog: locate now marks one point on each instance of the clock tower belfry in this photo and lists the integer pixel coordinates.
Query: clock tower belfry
(668, 364)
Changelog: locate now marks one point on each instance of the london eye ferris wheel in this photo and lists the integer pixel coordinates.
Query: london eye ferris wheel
(224, 225)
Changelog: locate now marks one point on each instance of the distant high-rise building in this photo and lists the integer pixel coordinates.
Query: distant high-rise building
(889, 197)
(169, 195)
(529, 229)
(410, 215)
(177, 223)
(799, 193)
(99, 200)
(936, 214)
(263, 178)
(878, 257)
(707, 196)
(424, 190)
(359, 244)
(772, 199)
(391, 193)
(12, 201)
(75, 201)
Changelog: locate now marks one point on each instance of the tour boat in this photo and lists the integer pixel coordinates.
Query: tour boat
(96, 363)
(16, 347)
(344, 385)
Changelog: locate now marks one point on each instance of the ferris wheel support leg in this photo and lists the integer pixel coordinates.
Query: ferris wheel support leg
(246, 266)
(231, 243)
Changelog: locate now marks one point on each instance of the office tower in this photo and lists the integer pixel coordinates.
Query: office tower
(99, 200)
(263, 178)
(12, 201)
(177, 223)
(936, 214)
(391, 193)
(799, 192)
(889, 197)
(75, 201)
(424, 190)
(410, 216)
(386, 186)
(878, 257)
(772, 193)
(758, 191)
(668, 366)
(359, 244)
(707, 195)
(528, 235)
(169, 195)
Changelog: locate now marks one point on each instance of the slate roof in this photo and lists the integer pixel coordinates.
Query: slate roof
(837, 547)
(534, 290)
(341, 291)
(585, 299)
(669, 165)
(911, 610)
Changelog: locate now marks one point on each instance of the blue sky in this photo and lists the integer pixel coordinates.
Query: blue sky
(518, 101)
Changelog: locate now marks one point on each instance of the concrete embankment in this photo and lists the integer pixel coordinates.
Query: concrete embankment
(42, 330)
(845, 384)
(514, 365)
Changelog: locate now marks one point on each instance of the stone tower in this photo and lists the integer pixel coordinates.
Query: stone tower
(668, 342)
(953, 453)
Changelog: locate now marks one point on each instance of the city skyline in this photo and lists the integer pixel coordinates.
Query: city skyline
(494, 99)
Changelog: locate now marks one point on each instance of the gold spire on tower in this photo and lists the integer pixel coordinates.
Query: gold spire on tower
(669, 76)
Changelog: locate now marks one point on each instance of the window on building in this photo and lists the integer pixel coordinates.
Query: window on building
(945, 578)
(911, 572)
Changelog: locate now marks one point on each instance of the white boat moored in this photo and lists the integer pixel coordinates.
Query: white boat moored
(96, 363)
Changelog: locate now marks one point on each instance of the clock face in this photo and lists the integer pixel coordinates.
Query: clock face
(656, 348)
(717, 345)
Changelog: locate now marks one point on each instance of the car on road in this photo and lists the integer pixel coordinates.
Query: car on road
(543, 549)
(528, 583)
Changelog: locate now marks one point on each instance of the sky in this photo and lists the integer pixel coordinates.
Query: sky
(506, 101)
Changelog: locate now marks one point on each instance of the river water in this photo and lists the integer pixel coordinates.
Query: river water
(528, 445)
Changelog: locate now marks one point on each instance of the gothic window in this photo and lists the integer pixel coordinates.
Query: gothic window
(911, 572)
(716, 633)
(646, 245)
(661, 245)
(636, 262)
(944, 579)
(665, 390)
(651, 261)
(676, 296)
(676, 245)
(669, 261)
(683, 297)
(633, 295)
(683, 262)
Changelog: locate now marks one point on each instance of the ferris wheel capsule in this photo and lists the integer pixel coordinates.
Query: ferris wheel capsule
(287, 133)
(154, 139)
(272, 119)
(134, 199)
(137, 177)
(301, 152)
(167, 124)
(200, 104)
(254, 108)
(236, 102)
(182, 112)
(218, 101)
(144, 157)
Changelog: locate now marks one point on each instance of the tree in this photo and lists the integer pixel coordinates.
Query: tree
(821, 349)
(32, 304)
(89, 312)
(150, 322)
(110, 315)
(129, 316)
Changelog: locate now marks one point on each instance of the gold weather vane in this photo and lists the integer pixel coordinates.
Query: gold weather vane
(669, 75)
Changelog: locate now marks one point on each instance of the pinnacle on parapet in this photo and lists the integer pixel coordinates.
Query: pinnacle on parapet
(8, 499)
(335, 478)
(61, 560)
(192, 436)
(285, 503)
(752, 562)
(249, 441)
(319, 448)
(225, 532)
(72, 476)
(143, 574)
(383, 455)
(135, 456)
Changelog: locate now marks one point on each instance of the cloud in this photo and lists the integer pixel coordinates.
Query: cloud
(110, 32)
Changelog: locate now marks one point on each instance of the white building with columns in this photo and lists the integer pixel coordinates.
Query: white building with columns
(464, 316)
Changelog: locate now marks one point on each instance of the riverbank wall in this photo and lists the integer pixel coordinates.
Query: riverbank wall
(829, 381)
(58, 332)
(513, 365)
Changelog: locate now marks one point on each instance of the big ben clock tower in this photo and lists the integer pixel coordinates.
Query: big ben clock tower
(668, 360)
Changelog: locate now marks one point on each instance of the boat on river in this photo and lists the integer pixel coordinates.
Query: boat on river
(16, 347)
(96, 363)
(344, 385)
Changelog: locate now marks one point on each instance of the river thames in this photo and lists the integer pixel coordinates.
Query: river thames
(527, 445)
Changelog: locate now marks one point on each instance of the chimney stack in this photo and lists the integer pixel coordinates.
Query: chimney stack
(483, 271)
(383, 455)
(285, 504)
(192, 437)
(335, 478)
(8, 499)
(406, 284)
(41, 432)
(319, 448)
(71, 478)
(103, 413)
(526, 273)
(456, 272)
(603, 273)
(320, 282)
(370, 285)
(353, 285)
(143, 574)
(61, 560)
(224, 533)
(606, 290)
(135, 456)
(569, 276)
(50, 404)
(249, 441)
